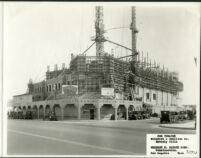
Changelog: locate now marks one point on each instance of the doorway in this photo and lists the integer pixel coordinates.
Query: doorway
(91, 114)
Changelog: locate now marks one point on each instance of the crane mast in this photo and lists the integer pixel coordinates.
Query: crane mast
(99, 27)
(134, 33)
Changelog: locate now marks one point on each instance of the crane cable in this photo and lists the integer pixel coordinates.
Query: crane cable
(88, 48)
(115, 28)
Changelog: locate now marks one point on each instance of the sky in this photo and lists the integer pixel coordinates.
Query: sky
(37, 34)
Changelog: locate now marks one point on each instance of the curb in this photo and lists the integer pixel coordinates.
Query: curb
(184, 128)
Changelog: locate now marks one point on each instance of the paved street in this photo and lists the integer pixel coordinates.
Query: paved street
(34, 137)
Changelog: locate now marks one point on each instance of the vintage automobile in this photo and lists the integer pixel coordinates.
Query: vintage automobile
(51, 116)
(182, 115)
(135, 115)
(169, 116)
(190, 114)
(19, 115)
(154, 115)
(29, 115)
(145, 114)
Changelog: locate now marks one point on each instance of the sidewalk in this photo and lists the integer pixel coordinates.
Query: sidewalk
(186, 126)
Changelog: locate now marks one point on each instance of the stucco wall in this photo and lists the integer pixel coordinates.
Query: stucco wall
(22, 98)
(162, 98)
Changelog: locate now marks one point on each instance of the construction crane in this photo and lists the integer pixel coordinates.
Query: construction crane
(134, 32)
(99, 27)
(99, 38)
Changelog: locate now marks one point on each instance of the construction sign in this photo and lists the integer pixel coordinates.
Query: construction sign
(70, 89)
(107, 91)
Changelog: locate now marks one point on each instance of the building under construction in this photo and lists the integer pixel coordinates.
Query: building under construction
(96, 86)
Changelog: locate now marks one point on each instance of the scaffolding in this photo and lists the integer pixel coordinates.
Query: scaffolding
(99, 72)
(156, 79)
(92, 73)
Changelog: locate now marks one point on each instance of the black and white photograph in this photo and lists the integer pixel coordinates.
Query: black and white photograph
(100, 79)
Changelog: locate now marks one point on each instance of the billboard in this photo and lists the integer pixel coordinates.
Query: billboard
(70, 89)
(107, 91)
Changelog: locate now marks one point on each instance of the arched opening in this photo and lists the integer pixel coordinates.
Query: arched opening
(41, 112)
(106, 111)
(70, 112)
(23, 111)
(88, 112)
(47, 110)
(18, 113)
(29, 108)
(35, 112)
(57, 110)
(121, 112)
(131, 108)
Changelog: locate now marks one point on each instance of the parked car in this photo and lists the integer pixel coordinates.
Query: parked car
(135, 115)
(169, 116)
(19, 115)
(29, 115)
(183, 115)
(154, 115)
(145, 114)
(191, 115)
(51, 116)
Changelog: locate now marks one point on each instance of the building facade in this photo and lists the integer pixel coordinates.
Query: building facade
(76, 93)
(96, 86)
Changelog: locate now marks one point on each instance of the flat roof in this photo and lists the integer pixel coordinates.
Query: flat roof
(22, 94)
